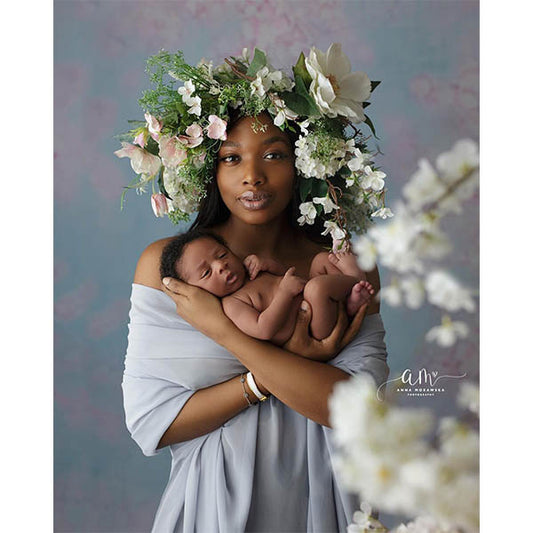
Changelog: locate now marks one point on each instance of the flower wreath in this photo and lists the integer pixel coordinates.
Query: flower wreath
(176, 147)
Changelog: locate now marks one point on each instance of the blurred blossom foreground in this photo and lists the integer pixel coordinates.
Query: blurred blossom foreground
(384, 451)
(385, 456)
(412, 243)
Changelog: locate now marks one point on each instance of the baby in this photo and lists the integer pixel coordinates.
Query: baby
(265, 306)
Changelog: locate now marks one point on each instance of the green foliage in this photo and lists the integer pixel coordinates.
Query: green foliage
(300, 70)
(258, 62)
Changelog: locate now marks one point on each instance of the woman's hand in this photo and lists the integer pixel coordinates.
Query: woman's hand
(343, 333)
(199, 308)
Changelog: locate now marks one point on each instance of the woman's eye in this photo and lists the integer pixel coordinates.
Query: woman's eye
(274, 155)
(229, 158)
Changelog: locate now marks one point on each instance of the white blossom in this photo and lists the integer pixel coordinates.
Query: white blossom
(366, 253)
(468, 396)
(461, 159)
(359, 160)
(424, 186)
(383, 213)
(308, 211)
(447, 333)
(331, 228)
(413, 289)
(327, 202)
(392, 294)
(195, 105)
(444, 291)
(373, 179)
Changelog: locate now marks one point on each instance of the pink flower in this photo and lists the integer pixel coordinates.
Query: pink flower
(194, 136)
(142, 162)
(341, 245)
(154, 126)
(171, 151)
(160, 205)
(139, 139)
(216, 128)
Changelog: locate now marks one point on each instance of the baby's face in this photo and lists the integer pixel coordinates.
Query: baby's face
(208, 264)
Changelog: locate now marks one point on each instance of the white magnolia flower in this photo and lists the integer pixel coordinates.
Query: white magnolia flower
(335, 89)
(383, 213)
(333, 229)
(308, 211)
(444, 291)
(373, 179)
(327, 202)
(366, 253)
(447, 332)
(468, 396)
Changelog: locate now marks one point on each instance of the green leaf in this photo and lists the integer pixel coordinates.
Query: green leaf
(373, 85)
(371, 126)
(258, 62)
(320, 188)
(300, 101)
(305, 188)
(300, 70)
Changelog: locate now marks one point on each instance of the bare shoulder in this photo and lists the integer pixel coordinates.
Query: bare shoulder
(147, 271)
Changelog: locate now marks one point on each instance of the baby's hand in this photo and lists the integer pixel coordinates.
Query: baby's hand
(254, 265)
(291, 284)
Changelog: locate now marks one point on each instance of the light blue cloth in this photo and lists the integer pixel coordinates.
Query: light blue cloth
(266, 469)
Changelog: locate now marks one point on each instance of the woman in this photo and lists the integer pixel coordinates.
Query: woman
(236, 467)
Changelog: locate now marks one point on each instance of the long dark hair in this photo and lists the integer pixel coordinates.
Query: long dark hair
(212, 210)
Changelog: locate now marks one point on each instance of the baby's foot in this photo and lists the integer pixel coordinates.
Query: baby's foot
(346, 262)
(361, 293)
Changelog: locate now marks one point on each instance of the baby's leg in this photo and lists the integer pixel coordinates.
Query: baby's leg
(323, 294)
(336, 263)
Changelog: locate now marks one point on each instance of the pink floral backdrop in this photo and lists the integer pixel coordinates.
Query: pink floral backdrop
(425, 53)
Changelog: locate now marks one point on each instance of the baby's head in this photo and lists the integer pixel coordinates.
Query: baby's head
(202, 259)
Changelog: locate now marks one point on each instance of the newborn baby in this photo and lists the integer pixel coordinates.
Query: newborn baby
(260, 295)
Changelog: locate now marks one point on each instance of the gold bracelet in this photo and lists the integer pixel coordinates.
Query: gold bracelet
(246, 395)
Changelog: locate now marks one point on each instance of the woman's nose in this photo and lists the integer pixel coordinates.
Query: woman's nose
(253, 175)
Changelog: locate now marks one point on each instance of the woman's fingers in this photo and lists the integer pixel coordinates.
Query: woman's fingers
(341, 324)
(300, 335)
(176, 286)
(354, 327)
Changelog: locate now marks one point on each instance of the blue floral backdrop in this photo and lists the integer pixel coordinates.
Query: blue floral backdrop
(426, 53)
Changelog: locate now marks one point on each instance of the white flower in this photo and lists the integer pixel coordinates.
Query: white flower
(154, 126)
(308, 211)
(366, 253)
(195, 107)
(383, 213)
(468, 396)
(186, 91)
(447, 333)
(217, 128)
(461, 159)
(392, 294)
(424, 186)
(327, 202)
(335, 89)
(332, 228)
(358, 161)
(283, 112)
(142, 162)
(161, 205)
(459, 445)
(364, 522)
(304, 125)
(266, 80)
(444, 291)
(413, 289)
(373, 179)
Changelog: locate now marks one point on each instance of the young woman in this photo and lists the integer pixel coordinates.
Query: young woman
(236, 467)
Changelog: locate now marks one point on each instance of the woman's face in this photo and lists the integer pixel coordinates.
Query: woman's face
(255, 172)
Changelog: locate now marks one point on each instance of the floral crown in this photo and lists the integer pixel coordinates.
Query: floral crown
(176, 147)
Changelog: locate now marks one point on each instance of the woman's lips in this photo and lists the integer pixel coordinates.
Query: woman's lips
(254, 200)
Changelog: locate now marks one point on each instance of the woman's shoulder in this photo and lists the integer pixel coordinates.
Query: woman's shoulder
(147, 271)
